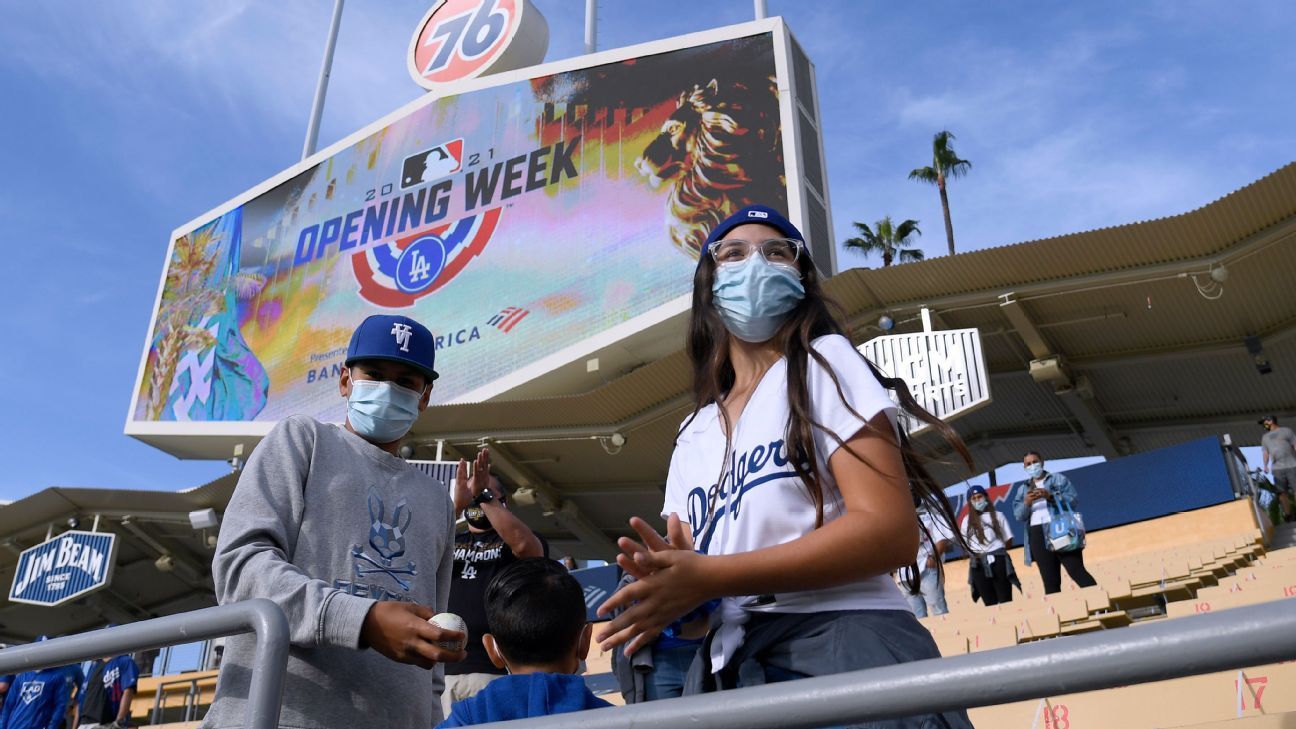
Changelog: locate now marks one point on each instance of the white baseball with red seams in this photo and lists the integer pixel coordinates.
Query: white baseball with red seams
(450, 621)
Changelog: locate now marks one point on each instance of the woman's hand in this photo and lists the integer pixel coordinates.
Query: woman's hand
(677, 537)
(671, 582)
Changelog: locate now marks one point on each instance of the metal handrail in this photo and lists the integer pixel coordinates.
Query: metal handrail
(259, 616)
(1217, 641)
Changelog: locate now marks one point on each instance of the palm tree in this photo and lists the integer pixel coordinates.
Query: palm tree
(892, 241)
(945, 165)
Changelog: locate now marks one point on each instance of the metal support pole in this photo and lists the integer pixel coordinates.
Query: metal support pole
(259, 616)
(761, 10)
(321, 88)
(1219, 641)
(591, 26)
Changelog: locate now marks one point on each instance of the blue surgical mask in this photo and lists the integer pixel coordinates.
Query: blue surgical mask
(1035, 470)
(754, 297)
(979, 504)
(381, 412)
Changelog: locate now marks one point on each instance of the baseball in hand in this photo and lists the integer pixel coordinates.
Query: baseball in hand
(450, 621)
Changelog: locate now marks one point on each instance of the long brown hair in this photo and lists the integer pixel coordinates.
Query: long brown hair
(976, 525)
(713, 378)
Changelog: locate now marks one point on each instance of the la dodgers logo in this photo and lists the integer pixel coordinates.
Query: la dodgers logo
(402, 332)
(32, 691)
(395, 275)
(744, 472)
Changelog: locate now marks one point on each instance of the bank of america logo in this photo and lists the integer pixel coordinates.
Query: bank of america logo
(508, 318)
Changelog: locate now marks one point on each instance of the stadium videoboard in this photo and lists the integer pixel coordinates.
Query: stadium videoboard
(527, 218)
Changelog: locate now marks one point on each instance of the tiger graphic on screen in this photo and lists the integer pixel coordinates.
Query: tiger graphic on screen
(720, 150)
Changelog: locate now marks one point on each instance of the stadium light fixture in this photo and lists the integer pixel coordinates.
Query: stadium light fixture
(204, 519)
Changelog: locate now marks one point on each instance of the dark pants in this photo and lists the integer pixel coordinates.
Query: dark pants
(995, 587)
(788, 646)
(1051, 563)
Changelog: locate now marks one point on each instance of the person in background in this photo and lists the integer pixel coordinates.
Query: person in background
(1032, 503)
(790, 479)
(988, 536)
(39, 699)
(5, 681)
(933, 541)
(569, 563)
(495, 538)
(538, 635)
(1279, 447)
(353, 543)
(105, 701)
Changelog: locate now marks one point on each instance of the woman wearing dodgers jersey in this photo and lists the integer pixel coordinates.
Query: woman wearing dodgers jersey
(790, 480)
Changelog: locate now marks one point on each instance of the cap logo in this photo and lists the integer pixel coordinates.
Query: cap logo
(402, 332)
(757, 214)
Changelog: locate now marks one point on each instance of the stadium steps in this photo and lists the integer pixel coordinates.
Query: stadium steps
(1283, 536)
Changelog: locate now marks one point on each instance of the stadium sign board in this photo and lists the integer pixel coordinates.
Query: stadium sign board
(530, 219)
(71, 565)
(462, 39)
(945, 370)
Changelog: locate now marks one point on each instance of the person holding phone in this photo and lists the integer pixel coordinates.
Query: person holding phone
(1033, 503)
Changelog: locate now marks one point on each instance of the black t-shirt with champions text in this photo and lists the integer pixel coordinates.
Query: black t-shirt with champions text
(478, 557)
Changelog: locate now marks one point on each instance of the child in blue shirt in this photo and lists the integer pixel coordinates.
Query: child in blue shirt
(538, 632)
(37, 699)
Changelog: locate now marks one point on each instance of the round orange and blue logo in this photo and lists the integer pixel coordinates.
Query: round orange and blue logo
(461, 39)
(397, 274)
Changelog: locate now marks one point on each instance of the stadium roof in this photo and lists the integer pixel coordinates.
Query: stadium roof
(1155, 354)
(148, 524)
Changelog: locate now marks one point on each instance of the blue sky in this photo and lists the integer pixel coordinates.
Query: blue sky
(123, 120)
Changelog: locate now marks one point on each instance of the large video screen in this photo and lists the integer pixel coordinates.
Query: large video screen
(514, 221)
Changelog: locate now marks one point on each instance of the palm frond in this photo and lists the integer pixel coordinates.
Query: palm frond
(930, 175)
(904, 230)
(863, 229)
(866, 246)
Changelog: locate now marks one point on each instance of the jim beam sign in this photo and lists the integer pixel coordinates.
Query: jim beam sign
(69, 566)
(945, 370)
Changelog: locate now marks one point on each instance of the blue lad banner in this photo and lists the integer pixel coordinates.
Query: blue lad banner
(64, 568)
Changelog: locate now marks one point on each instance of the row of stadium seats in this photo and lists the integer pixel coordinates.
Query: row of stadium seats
(1193, 579)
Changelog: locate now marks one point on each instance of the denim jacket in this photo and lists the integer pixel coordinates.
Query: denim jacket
(1056, 483)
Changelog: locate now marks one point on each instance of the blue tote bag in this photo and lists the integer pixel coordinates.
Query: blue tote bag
(1065, 531)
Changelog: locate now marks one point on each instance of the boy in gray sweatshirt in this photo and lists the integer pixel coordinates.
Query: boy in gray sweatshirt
(353, 543)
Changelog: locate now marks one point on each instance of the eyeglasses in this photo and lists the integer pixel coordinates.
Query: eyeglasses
(783, 251)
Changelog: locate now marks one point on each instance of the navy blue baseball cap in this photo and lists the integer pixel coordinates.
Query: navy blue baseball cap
(394, 338)
(977, 491)
(762, 214)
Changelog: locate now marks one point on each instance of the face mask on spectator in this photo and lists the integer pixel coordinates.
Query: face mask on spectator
(1035, 470)
(979, 504)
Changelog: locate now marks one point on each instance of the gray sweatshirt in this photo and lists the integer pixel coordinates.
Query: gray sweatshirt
(324, 524)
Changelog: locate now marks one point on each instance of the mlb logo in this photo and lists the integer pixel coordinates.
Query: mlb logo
(432, 164)
(757, 214)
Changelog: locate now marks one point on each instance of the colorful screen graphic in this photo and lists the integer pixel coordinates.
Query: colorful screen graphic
(513, 221)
